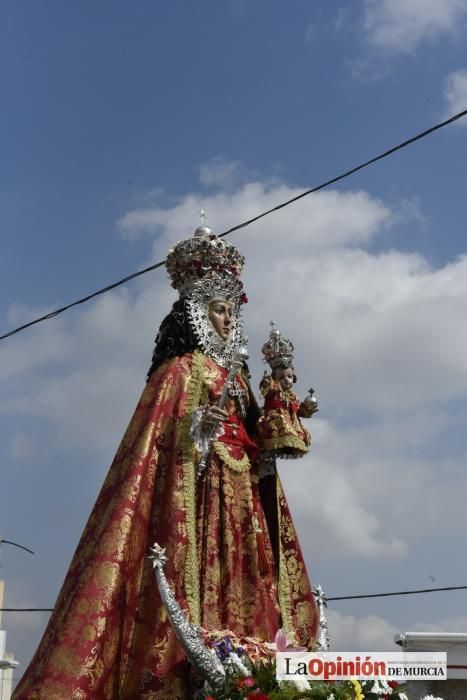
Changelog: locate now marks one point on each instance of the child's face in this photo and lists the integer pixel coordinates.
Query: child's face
(284, 377)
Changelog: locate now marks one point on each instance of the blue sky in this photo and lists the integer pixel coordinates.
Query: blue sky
(118, 122)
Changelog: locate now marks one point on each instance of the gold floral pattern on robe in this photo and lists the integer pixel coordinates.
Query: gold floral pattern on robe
(109, 636)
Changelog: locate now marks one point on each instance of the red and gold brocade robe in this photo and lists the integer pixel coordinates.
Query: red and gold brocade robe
(109, 636)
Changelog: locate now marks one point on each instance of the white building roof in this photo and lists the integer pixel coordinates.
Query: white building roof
(453, 643)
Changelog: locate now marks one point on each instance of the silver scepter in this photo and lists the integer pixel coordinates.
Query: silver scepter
(240, 355)
(189, 635)
(322, 641)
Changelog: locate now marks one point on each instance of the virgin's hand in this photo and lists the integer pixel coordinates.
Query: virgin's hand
(214, 414)
(208, 416)
(206, 424)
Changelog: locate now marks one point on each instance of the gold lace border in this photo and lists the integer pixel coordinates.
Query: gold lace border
(286, 441)
(237, 465)
(183, 438)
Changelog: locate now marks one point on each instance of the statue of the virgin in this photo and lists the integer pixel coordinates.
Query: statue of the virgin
(233, 559)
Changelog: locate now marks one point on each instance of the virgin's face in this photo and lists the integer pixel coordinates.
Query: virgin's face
(220, 313)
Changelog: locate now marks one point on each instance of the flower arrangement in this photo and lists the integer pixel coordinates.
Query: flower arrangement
(264, 686)
(251, 675)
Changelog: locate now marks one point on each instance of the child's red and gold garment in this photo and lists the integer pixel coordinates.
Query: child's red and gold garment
(279, 428)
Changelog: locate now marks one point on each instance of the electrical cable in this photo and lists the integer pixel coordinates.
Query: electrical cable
(385, 595)
(15, 544)
(333, 180)
(244, 224)
(26, 610)
(333, 598)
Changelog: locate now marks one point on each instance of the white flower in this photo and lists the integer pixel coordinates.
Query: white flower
(432, 697)
(302, 684)
(381, 688)
(238, 663)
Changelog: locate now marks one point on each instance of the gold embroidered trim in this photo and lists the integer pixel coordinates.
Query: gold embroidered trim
(287, 395)
(237, 465)
(284, 592)
(285, 441)
(182, 438)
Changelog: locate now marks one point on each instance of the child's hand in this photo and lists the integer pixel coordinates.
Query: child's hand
(265, 383)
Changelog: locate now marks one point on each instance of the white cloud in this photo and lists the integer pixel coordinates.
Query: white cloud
(455, 95)
(24, 629)
(364, 493)
(327, 501)
(369, 633)
(100, 357)
(402, 25)
(21, 354)
(21, 595)
(219, 173)
(374, 633)
(323, 221)
(447, 624)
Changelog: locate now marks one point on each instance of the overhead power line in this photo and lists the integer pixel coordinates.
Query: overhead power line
(327, 598)
(352, 171)
(26, 609)
(244, 224)
(15, 544)
(385, 595)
